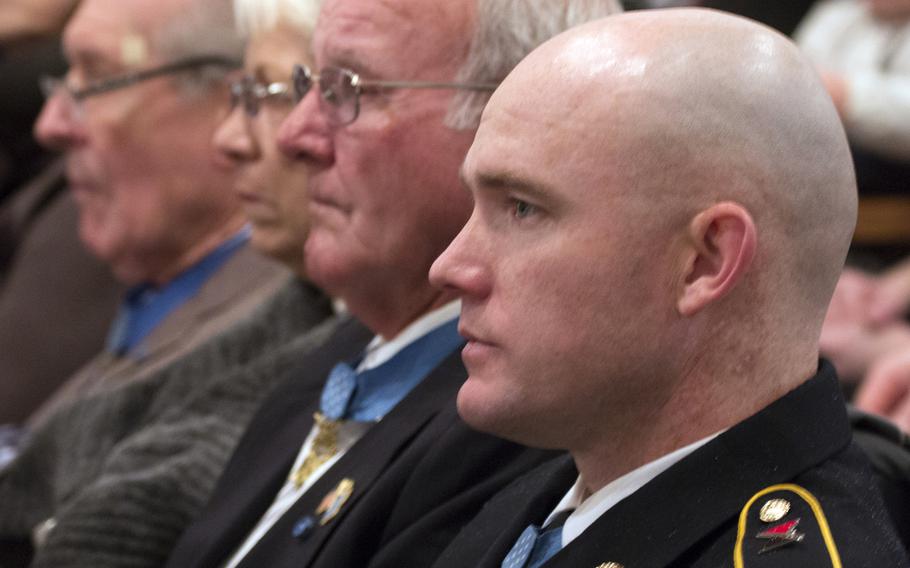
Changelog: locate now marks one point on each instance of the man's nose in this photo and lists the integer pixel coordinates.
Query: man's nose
(462, 267)
(59, 126)
(306, 133)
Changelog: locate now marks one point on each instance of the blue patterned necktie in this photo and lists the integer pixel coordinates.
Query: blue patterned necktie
(535, 546)
(338, 391)
(368, 395)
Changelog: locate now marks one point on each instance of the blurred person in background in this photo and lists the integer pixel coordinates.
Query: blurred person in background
(134, 118)
(862, 50)
(45, 271)
(112, 477)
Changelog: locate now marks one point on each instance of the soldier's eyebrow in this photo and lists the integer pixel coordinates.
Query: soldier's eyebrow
(504, 180)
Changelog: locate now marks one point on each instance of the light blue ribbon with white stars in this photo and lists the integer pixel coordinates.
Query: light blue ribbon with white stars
(535, 546)
(368, 395)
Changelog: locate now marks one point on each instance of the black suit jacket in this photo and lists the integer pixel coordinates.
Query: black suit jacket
(689, 515)
(419, 475)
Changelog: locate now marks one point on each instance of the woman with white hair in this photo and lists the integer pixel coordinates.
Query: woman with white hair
(271, 187)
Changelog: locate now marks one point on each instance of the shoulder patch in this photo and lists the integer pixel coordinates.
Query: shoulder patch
(784, 525)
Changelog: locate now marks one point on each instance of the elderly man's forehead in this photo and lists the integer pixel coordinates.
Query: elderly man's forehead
(346, 27)
(116, 32)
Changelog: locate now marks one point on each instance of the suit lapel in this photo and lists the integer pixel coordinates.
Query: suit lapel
(265, 454)
(666, 517)
(529, 500)
(363, 464)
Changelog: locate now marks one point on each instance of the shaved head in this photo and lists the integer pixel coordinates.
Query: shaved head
(695, 107)
(662, 203)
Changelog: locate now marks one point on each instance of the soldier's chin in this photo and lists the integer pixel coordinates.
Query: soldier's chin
(484, 410)
(476, 407)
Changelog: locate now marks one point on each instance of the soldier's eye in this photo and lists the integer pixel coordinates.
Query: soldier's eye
(522, 209)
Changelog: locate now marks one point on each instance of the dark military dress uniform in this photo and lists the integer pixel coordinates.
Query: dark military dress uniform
(784, 488)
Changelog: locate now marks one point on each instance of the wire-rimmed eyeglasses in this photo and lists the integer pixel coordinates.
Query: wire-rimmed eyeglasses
(249, 92)
(340, 89)
(52, 85)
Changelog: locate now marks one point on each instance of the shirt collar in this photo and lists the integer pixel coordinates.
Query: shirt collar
(381, 350)
(588, 510)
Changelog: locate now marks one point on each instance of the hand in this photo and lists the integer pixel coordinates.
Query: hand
(886, 389)
(891, 295)
(854, 348)
(853, 296)
(866, 300)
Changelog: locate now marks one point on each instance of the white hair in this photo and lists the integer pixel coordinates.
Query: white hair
(254, 17)
(507, 31)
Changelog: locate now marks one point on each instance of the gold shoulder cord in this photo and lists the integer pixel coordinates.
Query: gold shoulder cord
(816, 510)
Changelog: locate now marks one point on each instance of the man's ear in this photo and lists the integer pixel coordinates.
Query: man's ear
(721, 242)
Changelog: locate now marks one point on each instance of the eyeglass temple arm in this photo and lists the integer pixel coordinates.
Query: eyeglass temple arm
(135, 77)
(427, 85)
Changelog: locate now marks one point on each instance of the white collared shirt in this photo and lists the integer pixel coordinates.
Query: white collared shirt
(378, 351)
(589, 510)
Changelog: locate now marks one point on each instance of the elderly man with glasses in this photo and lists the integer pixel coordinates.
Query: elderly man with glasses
(134, 118)
(379, 470)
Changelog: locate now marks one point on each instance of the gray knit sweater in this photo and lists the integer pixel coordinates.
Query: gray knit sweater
(122, 472)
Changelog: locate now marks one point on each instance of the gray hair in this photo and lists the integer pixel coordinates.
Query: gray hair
(254, 17)
(206, 27)
(507, 31)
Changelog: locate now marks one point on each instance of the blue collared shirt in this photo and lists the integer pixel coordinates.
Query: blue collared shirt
(146, 306)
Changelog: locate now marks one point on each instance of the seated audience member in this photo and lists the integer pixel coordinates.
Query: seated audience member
(113, 478)
(678, 235)
(863, 52)
(39, 247)
(379, 470)
(134, 118)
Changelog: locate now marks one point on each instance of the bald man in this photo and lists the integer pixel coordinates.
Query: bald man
(643, 282)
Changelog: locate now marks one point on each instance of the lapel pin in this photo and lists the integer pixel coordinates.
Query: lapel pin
(780, 535)
(332, 503)
(303, 527)
(774, 510)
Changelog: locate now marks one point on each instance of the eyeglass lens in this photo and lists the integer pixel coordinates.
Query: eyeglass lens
(339, 96)
(51, 86)
(243, 93)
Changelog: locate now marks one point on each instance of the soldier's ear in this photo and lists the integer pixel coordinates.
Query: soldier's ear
(720, 246)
